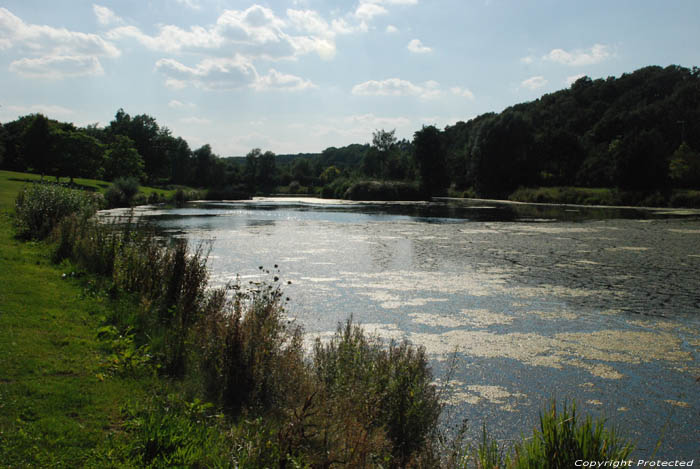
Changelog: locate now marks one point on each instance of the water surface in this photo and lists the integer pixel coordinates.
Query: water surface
(592, 304)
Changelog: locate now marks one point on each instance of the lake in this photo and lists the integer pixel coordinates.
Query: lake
(597, 305)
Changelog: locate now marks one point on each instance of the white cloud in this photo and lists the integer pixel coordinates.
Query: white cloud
(57, 67)
(170, 38)
(572, 79)
(209, 74)
(417, 47)
(391, 29)
(527, 60)
(50, 52)
(255, 33)
(463, 92)
(577, 58)
(398, 87)
(105, 16)
(534, 83)
(275, 80)
(226, 74)
(42, 40)
(175, 104)
(367, 11)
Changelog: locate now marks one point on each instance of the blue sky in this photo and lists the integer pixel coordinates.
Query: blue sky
(302, 75)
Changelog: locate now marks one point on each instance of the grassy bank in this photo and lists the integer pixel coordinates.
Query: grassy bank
(115, 353)
(56, 412)
(686, 198)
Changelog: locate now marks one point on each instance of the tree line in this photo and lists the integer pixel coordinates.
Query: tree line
(639, 132)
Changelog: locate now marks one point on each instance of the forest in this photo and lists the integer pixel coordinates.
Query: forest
(638, 133)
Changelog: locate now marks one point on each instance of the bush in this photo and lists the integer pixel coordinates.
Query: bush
(39, 208)
(122, 191)
(251, 356)
(385, 387)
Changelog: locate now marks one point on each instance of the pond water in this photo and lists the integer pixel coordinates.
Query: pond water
(597, 305)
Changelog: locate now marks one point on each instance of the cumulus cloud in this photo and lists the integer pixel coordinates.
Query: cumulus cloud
(175, 104)
(256, 32)
(50, 52)
(463, 92)
(56, 67)
(391, 29)
(397, 87)
(275, 80)
(367, 11)
(226, 74)
(534, 83)
(417, 47)
(577, 58)
(105, 16)
(209, 74)
(42, 40)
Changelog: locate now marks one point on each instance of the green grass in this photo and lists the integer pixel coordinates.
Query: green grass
(54, 410)
(11, 182)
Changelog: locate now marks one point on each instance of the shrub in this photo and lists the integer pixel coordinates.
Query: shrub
(39, 208)
(122, 191)
(251, 356)
(387, 387)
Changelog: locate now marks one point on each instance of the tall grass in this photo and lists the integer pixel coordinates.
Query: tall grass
(563, 438)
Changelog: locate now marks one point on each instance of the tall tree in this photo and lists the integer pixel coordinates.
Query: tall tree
(36, 143)
(383, 142)
(77, 154)
(265, 171)
(429, 155)
(122, 160)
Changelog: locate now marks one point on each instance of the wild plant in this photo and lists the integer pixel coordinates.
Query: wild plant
(250, 354)
(39, 208)
(386, 387)
(563, 438)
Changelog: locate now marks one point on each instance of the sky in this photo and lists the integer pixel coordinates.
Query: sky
(303, 75)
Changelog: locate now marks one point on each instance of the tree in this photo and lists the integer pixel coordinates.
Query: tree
(684, 167)
(502, 156)
(122, 160)
(36, 143)
(180, 157)
(265, 171)
(429, 156)
(640, 162)
(76, 153)
(384, 143)
(250, 172)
